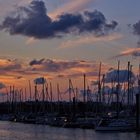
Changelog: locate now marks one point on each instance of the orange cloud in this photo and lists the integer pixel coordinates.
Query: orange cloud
(84, 40)
(130, 51)
(30, 41)
(71, 7)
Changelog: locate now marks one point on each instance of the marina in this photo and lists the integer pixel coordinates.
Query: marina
(69, 70)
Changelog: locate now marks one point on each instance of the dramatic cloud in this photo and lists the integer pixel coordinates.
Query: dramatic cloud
(131, 51)
(50, 65)
(112, 76)
(67, 69)
(33, 21)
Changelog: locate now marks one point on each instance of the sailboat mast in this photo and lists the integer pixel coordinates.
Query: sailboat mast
(58, 98)
(25, 94)
(139, 80)
(51, 92)
(128, 83)
(43, 93)
(58, 93)
(118, 87)
(103, 88)
(99, 82)
(131, 85)
(30, 90)
(69, 90)
(51, 96)
(84, 96)
(35, 92)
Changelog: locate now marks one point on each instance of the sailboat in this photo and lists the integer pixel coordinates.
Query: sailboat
(122, 125)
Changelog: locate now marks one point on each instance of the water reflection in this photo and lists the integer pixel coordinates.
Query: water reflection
(18, 131)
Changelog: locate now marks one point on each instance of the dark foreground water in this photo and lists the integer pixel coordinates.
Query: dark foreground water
(19, 131)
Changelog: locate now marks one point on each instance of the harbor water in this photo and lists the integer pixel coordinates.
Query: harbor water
(19, 131)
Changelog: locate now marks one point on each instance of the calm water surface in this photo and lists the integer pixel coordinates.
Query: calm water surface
(19, 131)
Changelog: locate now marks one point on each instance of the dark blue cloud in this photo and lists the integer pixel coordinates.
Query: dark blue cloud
(66, 22)
(33, 21)
(136, 28)
(136, 54)
(112, 76)
(40, 80)
(36, 62)
(29, 21)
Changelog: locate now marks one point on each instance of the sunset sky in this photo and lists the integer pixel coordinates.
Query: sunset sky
(62, 39)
